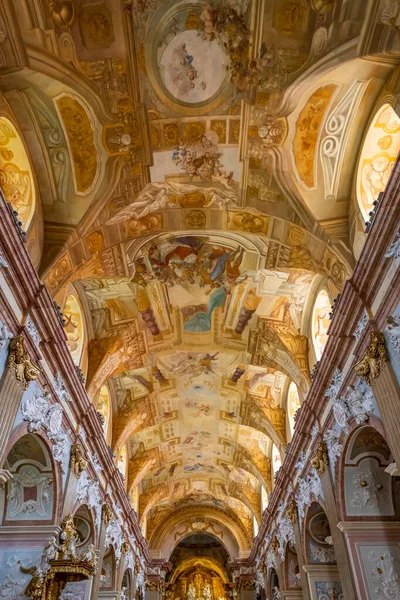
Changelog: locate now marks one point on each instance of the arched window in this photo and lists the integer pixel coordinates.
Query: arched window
(103, 407)
(293, 403)
(74, 328)
(276, 459)
(320, 322)
(16, 178)
(122, 459)
(264, 498)
(379, 152)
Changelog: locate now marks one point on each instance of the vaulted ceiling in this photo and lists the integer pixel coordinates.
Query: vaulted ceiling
(189, 177)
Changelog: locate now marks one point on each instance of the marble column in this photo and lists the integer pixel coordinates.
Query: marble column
(17, 375)
(106, 516)
(320, 462)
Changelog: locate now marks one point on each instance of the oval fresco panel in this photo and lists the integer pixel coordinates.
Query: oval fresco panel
(192, 68)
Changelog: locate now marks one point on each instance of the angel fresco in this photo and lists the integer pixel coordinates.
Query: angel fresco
(202, 159)
(167, 195)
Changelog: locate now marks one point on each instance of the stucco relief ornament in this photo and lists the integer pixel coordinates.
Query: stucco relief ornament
(369, 491)
(285, 535)
(60, 388)
(260, 581)
(89, 490)
(360, 401)
(4, 335)
(77, 461)
(393, 329)
(35, 410)
(96, 463)
(394, 250)
(39, 411)
(335, 449)
(384, 576)
(361, 325)
(301, 461)
(314, 431)
(3, 262)
(333, 390)
(33, 332)
(19, 360)
(375, 356)
(322, 555)
(114, 537)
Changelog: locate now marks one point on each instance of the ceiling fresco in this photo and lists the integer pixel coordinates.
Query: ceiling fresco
(194, 179)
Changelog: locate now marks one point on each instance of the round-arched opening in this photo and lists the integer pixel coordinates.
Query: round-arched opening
(122, 461)
(199, 571)
(276, 460)
(320, 322)
(378, 155)
(16, 178)
(74, 328)
(293, 404)
(104, 408)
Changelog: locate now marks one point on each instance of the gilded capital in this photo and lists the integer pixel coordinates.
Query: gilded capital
(19, 360)
(291, 511)
(77, 461)
(320, 459)
(125, 547)
(274, 545)
(107, 513)
(375, 356)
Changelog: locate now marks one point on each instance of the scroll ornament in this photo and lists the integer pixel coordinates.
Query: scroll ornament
(19, 360)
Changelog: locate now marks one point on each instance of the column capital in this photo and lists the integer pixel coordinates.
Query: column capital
(77, 460)
(291, 511)
(19, 360)
(320, 459)
(375, 356)
(106, 513)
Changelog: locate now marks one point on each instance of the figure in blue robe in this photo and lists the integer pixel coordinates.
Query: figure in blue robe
(202, 321)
